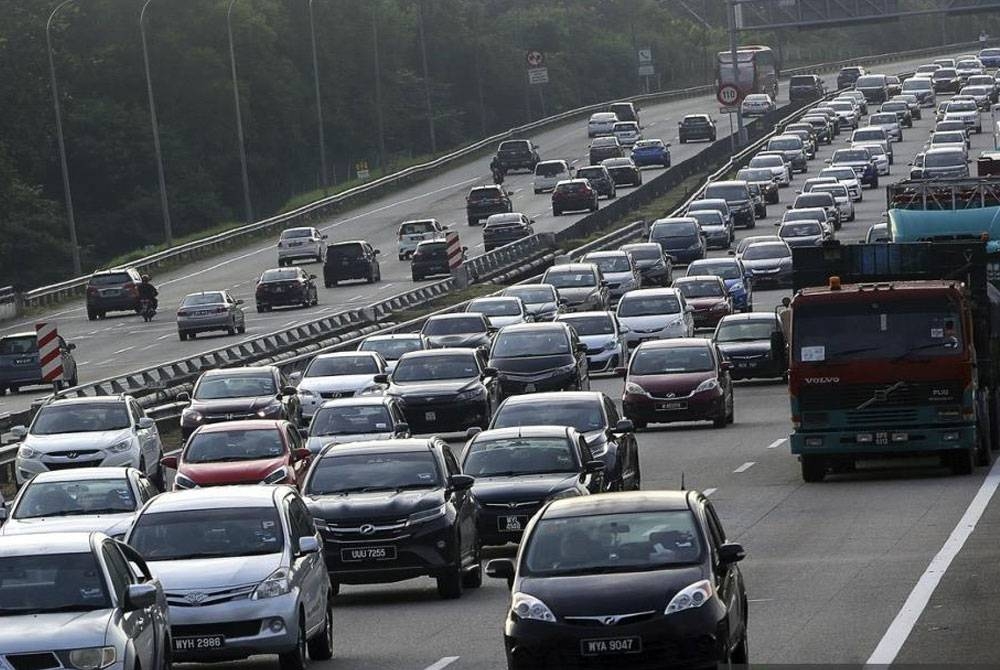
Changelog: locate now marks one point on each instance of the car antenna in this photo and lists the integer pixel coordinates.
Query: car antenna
(682, 481)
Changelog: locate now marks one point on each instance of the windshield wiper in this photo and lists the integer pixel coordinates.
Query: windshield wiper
(949, 343)
(359, 489)
(49, 610)
(845, 352)
(187, 557)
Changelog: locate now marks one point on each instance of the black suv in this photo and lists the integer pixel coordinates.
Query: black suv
(625, 111)
(696, 127)
(603, 148)
(112, 291)
(429, 259)
(805, 87)
(485, 200)
(351, 260)
(285, 286)
(501, 229)
(600, 179)
(517, 155)
(848, 75)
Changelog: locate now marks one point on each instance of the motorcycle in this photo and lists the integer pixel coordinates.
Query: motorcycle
(497, 177)
(147, 310)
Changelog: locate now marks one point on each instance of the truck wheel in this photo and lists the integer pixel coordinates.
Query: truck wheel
(813, 468)
(961, 461)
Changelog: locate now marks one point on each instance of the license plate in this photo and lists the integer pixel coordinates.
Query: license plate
(671, 405)
(611, 645)
(511, 524)
(110, 291)
(742, 365)
(23, 361)
(430, 416)
(529, 388)
(203, 642)
(357, 554)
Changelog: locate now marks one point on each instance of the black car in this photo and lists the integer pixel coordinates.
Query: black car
(395, 509)
(737, 197)
(600, 179)
(946, 80)
(805, 87)
(501, 229)
(112, 291)
(603, 148)
(461, 329)
(530, 357)
(574, 194)
(443, 390)
(351, 260)
(902, 111)
(636, 580)
(696, 127)
(654, 265)
(754, 343)
(874, 87)
(822, 126)
(592, 414)
(680, 238)
(285, 286)
(623, 171)
(430, 258)
(517, 155)
(848, 75)
(236, 394)
(625, 111)
(517, 470)
(483, 201)
(765, 180)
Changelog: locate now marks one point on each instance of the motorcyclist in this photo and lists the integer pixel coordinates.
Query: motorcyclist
(148, 292)
(784, 312)
(497, 170)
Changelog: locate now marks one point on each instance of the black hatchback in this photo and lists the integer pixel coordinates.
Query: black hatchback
(430, 258)
(351, 260)
(530, 357)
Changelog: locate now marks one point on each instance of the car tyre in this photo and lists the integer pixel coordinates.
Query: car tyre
(473, 579)
(962, 462)
(813, 468)
(741, 654)
(91, 315)
(295, 659)
(556, 212)
(321, 646)
(241, 329)
(231, 330)
(449, 585)
(182, 335)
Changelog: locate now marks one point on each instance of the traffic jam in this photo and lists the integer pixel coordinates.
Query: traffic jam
(505, 443)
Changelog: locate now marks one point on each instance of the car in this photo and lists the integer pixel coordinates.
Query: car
(541, 300)
(517, 470)
(842, 198)
(357, 419)
(627, 132)
(717, 204)
(780, 170)
(601, 124)
(809, 184)
(708, 298)
(20, 365)
(831, 115)
(661, 553)
(392, 510)
(765, 179)
(882, 159)
(255, 451)
(574, 195)
(869, 135)
(989, 57)
(849, 74)
(737, 197)
(822, 127)
(967, 112)
(715, 227)
(809, 214)
(680, 237)
(339, 374)
(301, 243)
(539, 356)
(808, 137)
(989, 85)
(600, 180)
(112, 291)
(655, 268)
(580, 286)
(757, 104)
(889, 122)
(904, 117)
(485, 200)
(878, 232)
(517, 155)
(968, 67)
(285, 286)
(207, 311)
(804, 87)
(846, 176)
(502, 229)
(696, 127)
(733, 275)
(346, 261)
(653, 314)
(949, 138)
(459, 329)
(946, 80)
(602, 148)
(625, 111)
(893, 84)
(768, 263)
(603, 336)
(444, 390)
(945, 62)
(754, 343)
(500, 311)
(243, 571)
(816, 198)
(923, 89)
(848, 111)
(874, 87)
(87, 432)
(651, 152)
(413, 232)
(101, 499)
(593, 415)
(803, 233)
(80, 600)
(623, 171)
(550, 173)
(391, 346)
(944, 162)
(430, 259)
(858, 159)
(235, 394)
(742, 245)
(917, 166)
(912, 105)
(618, 269)
(856, 96)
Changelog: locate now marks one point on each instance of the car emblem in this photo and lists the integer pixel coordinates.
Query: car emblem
(882, 395)
(609, 620)
(670, 395)
(367, 529)
(72, 454)
(196, 598)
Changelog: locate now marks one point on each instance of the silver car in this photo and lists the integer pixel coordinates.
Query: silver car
(208, 311)
(654, 314)
(361, 419)
(541, 300)
(244, 573)
(618, 269)
(79, 600)
(392, 346)
(341, 374)
(580, 286)
(501, 310)
(301, 243)
(604, 337)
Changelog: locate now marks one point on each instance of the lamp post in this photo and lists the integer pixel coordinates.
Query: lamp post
(67, 192)
(168, 233)
(319, 101)
(239, 117)
(427, 84)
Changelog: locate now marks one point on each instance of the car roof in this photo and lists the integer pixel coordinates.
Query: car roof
(495, 298)
(452, 317)
(609, 253)
(345, 354)
(85, 400)
(945, 150)
(524, 431)
(26, 333)
(535, 327)
(393, 336)
(640, 245)
(650, 292)
(31, 544)
(573, 267)
(83, 474)
(427, 353)
(248, 370)
(730, 182)
(216, 497)
(751, 316)
(554, 396)
(400, 446)
(713, 261)
(631, 501)
(354, 401)
(244, 424)
(690, 279)
(547, 287)
(570, 316)
(344, 243)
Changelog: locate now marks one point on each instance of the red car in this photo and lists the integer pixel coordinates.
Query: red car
(708, 297)
(259, 451)
(572, 195)
(680, 379)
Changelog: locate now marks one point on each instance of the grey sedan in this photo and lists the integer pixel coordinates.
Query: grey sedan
(208, 311)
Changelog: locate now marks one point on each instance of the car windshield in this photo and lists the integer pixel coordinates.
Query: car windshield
(707, 217)
(667, 230)
(550, 169)
(851, 155)
(784, 144)
(484, 194)
(430, 249)
(515, 145)
(440, 366)
(525, 344)
(700, 288)
(113, 279)
(202, 299)
(279, 275)
(345, 472)
(236, 386)
(962, 106)
(836, 191)
(742, 330)
(766, 161)
(533, 296)
(333, 366)
(646, 253)
(875, 149)
(868, 135)
(944, 159)
(223, 446)
(80, 418)
(46, 583)
(755, 175)
(840, 174)
(591, 325)
(878, 119)
(727, 192)
(756, 252)
(649, 144)
(584, 415)
(804, 215)
(495, 307)
(695, 121)
(609, 543)
(614, 263)
(392, 349)
(800, 230)
(296, 232)
(950, 137)
(916, 85)
(416, 228)
(726, 270)
(19, 346)
(351, 420)
(208, 533)
(870, 81)
(813, 200)
(570, 279)
(74, 498)
(511, 457)
(454, 326)
(632, 305)
(590, 173)
(666, 360)
(604, 142)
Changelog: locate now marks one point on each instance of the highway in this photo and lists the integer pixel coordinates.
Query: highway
(123, 343)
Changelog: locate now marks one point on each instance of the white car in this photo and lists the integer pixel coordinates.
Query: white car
(845, 206)
(776, 164)
(500, 311)
(392, 346)
(601, 123)
(411, 233)
(809, 184)
(969, 67)
(298, 243)
(847, 177)
(889, 121)
(883, 160)
(965, 111)
(342, 374)
(627, 132)
(846, 112)
(550, 173)
(359, 419)
(872, 135)
(654, 314)
(981, 94)
(950, 138)
(757, 104)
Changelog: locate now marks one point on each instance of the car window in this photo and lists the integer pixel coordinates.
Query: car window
(300, 522)
(121, 574)
(450, 462)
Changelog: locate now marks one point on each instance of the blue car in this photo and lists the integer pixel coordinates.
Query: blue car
(734, 275)
(651, 152)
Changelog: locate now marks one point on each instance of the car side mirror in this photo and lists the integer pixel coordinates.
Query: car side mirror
(581, 348)
(472, 432)
(624, 426)
(490, 372)
(501, 568)
(826, 160)
(731, 552)
(461, 482)
(301, 454)
(726, 365)
(289, 390)
(183, 396)
(593, 467)
(308, 544)
(19, 432)
(324, 236)
(169, 462)
(402, 429)
(145, 423)
(381, 378)
(509, 193)
(71, 346)
(139, 596)
(239, 302)
(312, 276)
(667, 144)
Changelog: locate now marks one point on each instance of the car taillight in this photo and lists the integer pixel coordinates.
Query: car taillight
(91, 290)
(220, 310)
(182, 312)
(132, 288)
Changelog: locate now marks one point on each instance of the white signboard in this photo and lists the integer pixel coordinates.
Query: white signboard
(538, 75)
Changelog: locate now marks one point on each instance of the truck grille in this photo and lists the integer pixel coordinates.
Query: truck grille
(877, 396)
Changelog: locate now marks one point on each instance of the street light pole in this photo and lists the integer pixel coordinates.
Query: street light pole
(319, 101)
(427, 83)
(168, 232)
(67, 192)
(382, 158)
(740, 130)
(239, 117)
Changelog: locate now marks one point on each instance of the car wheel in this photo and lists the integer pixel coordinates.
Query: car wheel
(473, 221)
(741, 654)
(296, 659)
(556, 212)
(720, 421)
(232, 329)
(681, 140)
(473, 579)
(813, 468)
(321, 646)
(260, 309)
(91, 315)
(449, 585)
(14, 388)
(241, 329)
(417, 277)
(182, 335)
(329, 284)
(614, 194)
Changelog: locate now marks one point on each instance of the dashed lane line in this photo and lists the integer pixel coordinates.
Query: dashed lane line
(709, 491)
(746, 466)
(443, 663)
(777, 443)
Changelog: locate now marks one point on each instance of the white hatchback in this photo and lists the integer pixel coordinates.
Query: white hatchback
(298, 243)
(550, 173)
(627, 132)
(601, 123)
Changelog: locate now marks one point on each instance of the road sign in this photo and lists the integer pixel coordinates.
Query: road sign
(728, 110)
(454, 249)
(645, 55)
(535, 58)
(646, 70)
(49, 354)
(538, 75)
(728, 95)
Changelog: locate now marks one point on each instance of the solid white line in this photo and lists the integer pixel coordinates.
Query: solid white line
(443, 663)
(709, 492)
(357, 297)
(777, 443)
(746, 466)
(899, 630)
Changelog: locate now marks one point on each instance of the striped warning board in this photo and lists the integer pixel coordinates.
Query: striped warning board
(49, 353)
(454, 250)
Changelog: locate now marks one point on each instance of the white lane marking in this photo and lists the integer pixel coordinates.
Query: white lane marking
(746, 466)
(901, 627)
(83, 363)
(148, 346)
(385, 286)
(163, 337)
(709, 492)
(443, 663)
(105, 362)
(122, 351)
(777, 443)
(357, 297)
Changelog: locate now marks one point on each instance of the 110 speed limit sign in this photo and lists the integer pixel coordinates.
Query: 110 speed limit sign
(729, 95)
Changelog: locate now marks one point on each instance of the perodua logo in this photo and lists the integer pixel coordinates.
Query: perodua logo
(367, 529)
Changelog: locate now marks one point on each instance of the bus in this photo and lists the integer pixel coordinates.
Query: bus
(757, 70)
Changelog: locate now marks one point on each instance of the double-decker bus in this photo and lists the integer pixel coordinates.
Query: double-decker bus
(757, 70)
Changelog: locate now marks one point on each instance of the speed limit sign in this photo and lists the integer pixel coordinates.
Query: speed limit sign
(728, 94)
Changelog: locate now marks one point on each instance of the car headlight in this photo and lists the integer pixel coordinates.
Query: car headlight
(690, 597)
(182, 482)
(27, 453)
(192, 415)
(269, 410)
(471, 394)
(568, 493)
(320, 523)
(707, 385)
(529, 607)
(428, 514)
(635, 389)
(374, 389)
(276, 476)
(119, 447)
(92, 658)
(306, 393)
(276, 584)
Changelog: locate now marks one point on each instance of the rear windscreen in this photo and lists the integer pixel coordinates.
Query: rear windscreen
(18, 345)
(110, 279)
